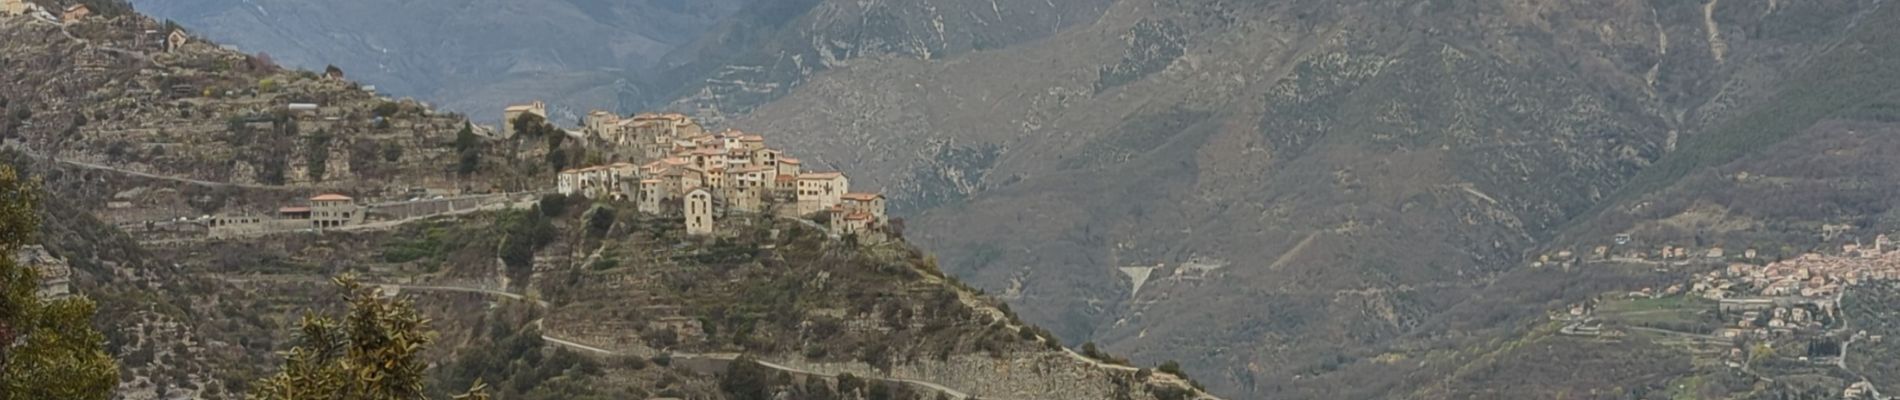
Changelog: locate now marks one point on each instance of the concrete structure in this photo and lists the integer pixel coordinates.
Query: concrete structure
(698, 212)
(508, 115)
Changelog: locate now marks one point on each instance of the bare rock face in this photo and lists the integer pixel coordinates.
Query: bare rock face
(56, 275)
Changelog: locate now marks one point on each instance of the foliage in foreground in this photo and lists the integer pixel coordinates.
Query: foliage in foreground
(48, 349)
(374, 353)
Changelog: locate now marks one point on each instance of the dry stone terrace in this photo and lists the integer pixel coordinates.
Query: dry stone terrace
(684, 167)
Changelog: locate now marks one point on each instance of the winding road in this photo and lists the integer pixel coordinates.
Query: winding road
(953, 393)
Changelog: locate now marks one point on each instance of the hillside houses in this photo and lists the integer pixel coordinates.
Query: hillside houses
(734, 171)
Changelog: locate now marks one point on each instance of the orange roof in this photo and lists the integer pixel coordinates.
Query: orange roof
(858, 216)
(821, 175)
(331, 197)
(752, 138)
(786, 178)
(788, 160)
(861, 196)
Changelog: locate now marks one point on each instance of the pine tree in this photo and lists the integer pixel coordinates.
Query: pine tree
(469, 148)
(48, 349)
(373, 352)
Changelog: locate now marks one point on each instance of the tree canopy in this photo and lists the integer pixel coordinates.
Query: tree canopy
(373, 352)
(48, 348)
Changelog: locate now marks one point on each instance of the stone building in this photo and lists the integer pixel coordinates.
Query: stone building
(818, 191)
(334, 211)
(871, 204)
(508, 115)
(651, 192)
(698, 212)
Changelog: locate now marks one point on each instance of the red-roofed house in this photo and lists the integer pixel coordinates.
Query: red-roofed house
(867, 203)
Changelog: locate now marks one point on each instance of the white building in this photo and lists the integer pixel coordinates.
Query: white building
(698, 210)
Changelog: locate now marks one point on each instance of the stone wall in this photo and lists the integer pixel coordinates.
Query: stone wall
(421, 208)
(267, 226)
(1038, 376)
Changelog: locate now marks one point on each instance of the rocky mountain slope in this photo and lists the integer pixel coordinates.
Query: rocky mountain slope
(118, 124)
(466, 56)
(1318, 182)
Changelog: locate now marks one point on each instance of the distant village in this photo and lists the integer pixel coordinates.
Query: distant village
(1759, 302)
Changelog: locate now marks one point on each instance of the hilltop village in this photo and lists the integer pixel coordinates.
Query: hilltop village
(673, 166)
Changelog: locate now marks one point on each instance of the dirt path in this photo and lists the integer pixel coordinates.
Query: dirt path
(1287, 257)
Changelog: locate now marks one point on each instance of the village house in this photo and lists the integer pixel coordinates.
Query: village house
(842, 222)
(820, 190)
(508, 115)
(698, 212)
(871, 204)
(651, 193)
